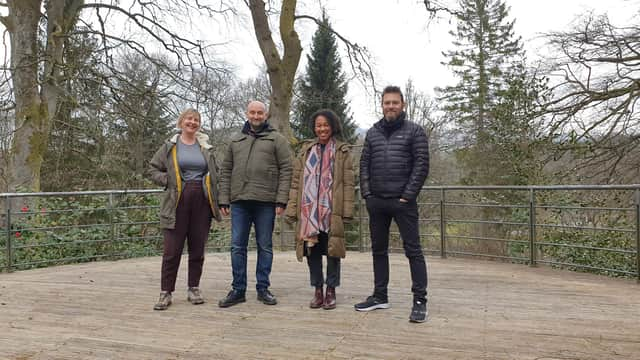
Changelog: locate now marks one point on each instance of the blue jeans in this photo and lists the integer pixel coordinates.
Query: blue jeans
(262, 215)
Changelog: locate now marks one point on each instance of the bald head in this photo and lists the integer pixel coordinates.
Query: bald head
(255, 104)
(256, 113)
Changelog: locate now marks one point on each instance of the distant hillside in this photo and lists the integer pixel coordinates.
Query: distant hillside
(361, 132)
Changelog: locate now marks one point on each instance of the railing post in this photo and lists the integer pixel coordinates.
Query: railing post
(282, 232)
(9, 238)
(532, 227)
(637, 206)
(112, 226)
(443, 226)
(360, 237)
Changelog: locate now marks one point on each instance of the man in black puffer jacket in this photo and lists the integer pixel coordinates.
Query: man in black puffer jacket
(393, 168)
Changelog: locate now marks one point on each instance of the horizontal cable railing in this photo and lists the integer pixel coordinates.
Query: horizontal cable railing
(593, 228)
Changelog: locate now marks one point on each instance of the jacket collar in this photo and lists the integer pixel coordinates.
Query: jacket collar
(201, 138)
(308, 144)
(397, 123)
(264, 130)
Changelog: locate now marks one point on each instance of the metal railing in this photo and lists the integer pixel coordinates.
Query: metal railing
(592, 228)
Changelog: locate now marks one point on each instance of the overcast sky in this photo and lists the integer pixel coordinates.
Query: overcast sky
(403, 46)
(403, 43)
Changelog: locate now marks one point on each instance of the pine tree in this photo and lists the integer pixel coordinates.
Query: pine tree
(485, 46)
(322, 87)
(492, 101)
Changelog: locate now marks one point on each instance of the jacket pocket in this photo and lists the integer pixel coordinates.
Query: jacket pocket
(272, 181)
(168, 204)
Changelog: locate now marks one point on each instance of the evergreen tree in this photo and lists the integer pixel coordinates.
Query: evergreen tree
(485, 46)
(493, 100)
(323, 86)
(105, 132)
(141, 119)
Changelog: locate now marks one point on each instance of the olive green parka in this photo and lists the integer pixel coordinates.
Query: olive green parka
(256, 168)
(165, 172)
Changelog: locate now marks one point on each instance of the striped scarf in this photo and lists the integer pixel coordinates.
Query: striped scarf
(315, 205)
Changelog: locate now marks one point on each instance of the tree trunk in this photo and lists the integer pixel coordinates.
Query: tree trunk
(281, 69)
(36, 98)
(22, 24)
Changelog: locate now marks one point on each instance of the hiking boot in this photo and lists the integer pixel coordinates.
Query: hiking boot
(194, 296)
(317, 300)
(419, 311)
(163, 302)
(233, 297)
(330, 299)
(372, 303)
(266, 297)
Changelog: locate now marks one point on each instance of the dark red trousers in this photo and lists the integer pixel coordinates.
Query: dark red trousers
(193, 219)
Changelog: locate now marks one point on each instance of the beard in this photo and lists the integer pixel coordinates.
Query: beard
(256, 124)
(391, 117)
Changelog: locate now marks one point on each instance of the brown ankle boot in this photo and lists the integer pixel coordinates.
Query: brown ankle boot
(330, 299)
(317, 300)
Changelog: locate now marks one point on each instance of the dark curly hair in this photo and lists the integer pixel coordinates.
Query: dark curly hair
(332, 118)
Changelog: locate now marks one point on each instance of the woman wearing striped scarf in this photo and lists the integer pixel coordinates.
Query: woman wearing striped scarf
(320, 200)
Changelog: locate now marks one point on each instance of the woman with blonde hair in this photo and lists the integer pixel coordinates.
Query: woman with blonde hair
(320, 199)
(185, 166)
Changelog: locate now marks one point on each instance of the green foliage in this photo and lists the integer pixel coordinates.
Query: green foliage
(615, 247)
(495, 100)
(591, 249)
(110, 119)
(55, 231)
(485, 48)
(78, 229)
(323, 86)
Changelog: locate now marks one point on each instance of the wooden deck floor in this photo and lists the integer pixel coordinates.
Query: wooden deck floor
(478, 310)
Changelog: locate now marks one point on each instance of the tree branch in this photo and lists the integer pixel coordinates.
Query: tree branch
(358, 55)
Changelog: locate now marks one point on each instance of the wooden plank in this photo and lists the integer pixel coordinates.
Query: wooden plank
(478, 310)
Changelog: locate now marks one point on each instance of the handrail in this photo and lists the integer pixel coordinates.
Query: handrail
(529, 227)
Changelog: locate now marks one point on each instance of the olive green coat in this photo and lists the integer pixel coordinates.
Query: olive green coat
(163, 172)
(343, 192)
(256, 168)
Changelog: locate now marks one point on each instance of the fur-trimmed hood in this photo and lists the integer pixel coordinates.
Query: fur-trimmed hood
(202, 138)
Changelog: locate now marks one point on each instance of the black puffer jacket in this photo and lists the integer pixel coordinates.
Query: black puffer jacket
(394, 161)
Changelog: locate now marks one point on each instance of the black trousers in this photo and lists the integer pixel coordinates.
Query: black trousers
(193, 219)
(314, 260)
(381, 212)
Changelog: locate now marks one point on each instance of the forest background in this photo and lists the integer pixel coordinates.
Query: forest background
(90, 89)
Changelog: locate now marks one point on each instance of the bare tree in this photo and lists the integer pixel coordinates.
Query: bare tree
(281, 68)
(424, 110)
(36, 65)
(594, 111)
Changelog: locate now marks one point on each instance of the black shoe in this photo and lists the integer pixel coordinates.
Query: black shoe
(372, 303)
(419, 311)
(266, 297)
(233, 297)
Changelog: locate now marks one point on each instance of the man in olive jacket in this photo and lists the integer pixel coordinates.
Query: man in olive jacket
(254, 181)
